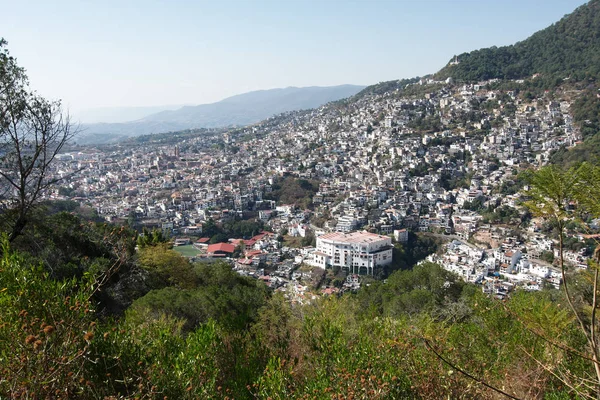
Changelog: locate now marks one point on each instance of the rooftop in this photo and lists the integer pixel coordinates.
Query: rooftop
(353, 237)
(223, 247)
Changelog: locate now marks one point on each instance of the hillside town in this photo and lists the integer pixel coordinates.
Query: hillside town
(426, 156)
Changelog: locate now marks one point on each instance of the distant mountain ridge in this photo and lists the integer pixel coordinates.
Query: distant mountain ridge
(242, 109)
(119, 114)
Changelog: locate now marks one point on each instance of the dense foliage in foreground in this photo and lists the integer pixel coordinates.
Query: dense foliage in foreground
(201, 331)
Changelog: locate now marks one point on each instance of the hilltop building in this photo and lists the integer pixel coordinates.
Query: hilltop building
(355, 252)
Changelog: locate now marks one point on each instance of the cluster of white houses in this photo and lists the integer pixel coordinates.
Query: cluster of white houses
(354, 252)
(376, 167)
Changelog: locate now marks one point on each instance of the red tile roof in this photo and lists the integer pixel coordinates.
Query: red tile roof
(222, 247)
(262, 235)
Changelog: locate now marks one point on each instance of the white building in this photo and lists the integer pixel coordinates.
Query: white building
(355, 252)
(346, 223)
(401, 235)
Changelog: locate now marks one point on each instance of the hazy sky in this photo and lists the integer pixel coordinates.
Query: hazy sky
(142, 53)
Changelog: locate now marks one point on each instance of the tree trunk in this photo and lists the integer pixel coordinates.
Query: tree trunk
(17, 228)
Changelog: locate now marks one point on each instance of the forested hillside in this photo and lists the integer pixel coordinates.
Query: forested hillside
(569, 49)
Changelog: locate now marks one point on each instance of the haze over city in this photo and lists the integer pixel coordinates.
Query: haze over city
(139, 53)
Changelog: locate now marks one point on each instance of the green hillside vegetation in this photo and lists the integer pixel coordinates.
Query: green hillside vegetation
(386, 87)
(407, 255)
(290, 190)
(586, 113)
(569, 49)
(224, 336)
(232, 229)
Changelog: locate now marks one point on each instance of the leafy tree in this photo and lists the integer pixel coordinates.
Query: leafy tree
(166, 266)
(502, 215)
(406, 256)
(210, 228)
(242, 228)
(275, 328)
(552, 191)
(208, 291)
(309, 239)
(475, 205)
(424, 287)
(218, 238)
(151, 238)
(239, 250)
(547, 256)
(453, 180)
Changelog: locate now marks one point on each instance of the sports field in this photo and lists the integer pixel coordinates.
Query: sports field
(187, 250)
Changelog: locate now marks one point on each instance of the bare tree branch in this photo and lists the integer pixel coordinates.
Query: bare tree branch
(465, 373)
(33, 131)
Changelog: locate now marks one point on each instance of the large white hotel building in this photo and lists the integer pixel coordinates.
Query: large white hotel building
(356, 252)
